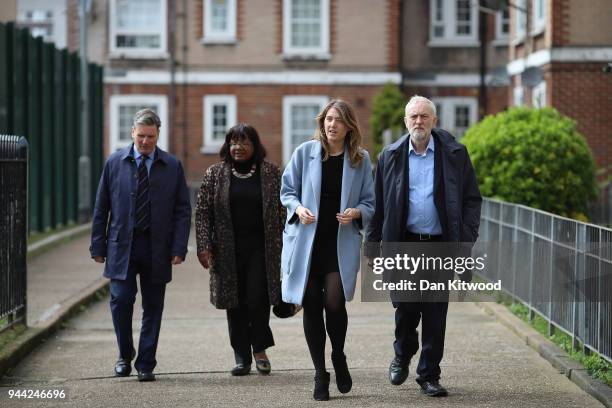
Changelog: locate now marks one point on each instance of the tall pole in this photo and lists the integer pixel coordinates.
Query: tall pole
(84, 160)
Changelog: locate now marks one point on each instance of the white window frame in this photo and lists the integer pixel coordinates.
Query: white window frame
(210, 145)
(288, 102)
(136, 53)
(538, 95)
(137, 99)
(539, 21)
(520, 20)
(518, 96)
(216, 37)
(500, 36)
(451, 39)
(446, 112)
(321, 52)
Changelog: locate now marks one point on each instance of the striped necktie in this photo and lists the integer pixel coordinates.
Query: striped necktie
(143, 203)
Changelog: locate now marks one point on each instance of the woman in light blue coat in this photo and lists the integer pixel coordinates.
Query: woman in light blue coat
(328, 190)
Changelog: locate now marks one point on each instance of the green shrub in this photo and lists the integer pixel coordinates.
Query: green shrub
(387, 113)
(534, 157)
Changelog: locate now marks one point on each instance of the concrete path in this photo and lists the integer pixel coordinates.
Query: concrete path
(485, 365)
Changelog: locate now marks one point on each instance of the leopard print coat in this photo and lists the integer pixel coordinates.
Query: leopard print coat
(214, 231)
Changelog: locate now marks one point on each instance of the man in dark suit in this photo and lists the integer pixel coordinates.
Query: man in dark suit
(140, 226)
(426, 191)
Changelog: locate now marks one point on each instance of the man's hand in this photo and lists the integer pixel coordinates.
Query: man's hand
(176, 260)
(99, 259)
(205, 258)
(348, 216)
(305, 215)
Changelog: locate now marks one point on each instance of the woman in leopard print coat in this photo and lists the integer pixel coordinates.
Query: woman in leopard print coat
(239, 224)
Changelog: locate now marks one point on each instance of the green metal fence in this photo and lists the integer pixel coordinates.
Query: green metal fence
(40, 99)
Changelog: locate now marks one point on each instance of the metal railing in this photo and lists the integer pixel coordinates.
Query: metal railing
(559, 268)
(13, 229)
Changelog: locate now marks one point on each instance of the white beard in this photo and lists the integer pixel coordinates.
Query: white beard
(418, 135)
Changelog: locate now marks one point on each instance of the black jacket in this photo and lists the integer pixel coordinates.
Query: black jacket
(456, 194)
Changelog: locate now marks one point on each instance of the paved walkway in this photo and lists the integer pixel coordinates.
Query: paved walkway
(485, 365)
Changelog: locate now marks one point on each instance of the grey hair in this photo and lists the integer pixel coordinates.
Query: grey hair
(418, 98)
(146, 117)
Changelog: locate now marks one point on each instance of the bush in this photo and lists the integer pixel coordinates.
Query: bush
(387, 113)
(534, 157)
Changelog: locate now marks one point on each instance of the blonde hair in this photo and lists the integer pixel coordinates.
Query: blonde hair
(353, 135)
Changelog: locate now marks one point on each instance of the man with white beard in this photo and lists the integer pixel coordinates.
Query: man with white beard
(426, 191)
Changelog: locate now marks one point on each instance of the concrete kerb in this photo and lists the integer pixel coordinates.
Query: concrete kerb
(549, 351)
(52, 241)
(58, 313)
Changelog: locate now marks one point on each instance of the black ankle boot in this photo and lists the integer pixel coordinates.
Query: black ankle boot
(344, 382)
(321, 386)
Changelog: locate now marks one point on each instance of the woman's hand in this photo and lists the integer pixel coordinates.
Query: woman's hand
(348, 216)
(205, 258)
(305, 215)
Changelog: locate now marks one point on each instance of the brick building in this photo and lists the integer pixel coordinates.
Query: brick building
(556, 58)
(441, 59)
(271, 63)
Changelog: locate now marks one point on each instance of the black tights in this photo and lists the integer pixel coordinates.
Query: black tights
(324, 292)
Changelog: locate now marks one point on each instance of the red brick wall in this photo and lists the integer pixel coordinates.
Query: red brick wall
(258, 105)
(560, 23)
(584, 92)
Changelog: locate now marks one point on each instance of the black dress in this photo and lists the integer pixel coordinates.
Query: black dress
(325, 252)
(247, 221)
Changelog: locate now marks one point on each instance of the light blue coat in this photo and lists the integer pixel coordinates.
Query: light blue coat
(301, 185)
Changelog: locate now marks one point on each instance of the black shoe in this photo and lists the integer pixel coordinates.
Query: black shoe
(263, 366)
(321, 387)
(432, 388)
(123, 366)
(344, 382)
(145, 376)
(241, 369)
(398, 371)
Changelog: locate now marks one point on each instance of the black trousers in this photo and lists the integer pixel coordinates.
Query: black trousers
(123, 296)
(432, 315)
(406, 344)
(249, 323)
(249, 331)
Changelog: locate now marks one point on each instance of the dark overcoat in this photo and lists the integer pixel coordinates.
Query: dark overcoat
(214, 231)
(456, 194)
(114, 212)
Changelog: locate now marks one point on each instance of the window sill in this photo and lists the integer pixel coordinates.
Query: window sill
(230, 40)
(500, 42)
(538, 30)
(304, 56)
(453, 43)
(153, 55)
(518, 41)
(210, 149)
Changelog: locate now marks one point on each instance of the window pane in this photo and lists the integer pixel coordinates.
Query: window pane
(306, 23)
(439, 115)
(464, 17)
(303, 123)
(219, 121)
(219, 14)
(439, 10)
(462, 116)
(137, 41)
(126, 115)
(139, 14)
